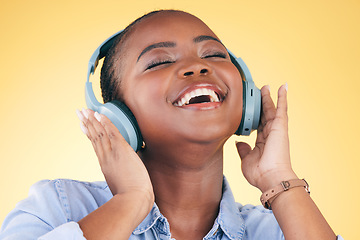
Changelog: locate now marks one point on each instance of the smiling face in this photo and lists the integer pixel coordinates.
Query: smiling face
(179, 81)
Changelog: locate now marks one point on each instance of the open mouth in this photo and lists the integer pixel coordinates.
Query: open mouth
(199, 96)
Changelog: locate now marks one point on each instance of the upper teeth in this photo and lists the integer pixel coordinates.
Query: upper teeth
(196, 93)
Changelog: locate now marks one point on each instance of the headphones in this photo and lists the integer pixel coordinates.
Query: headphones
(121, 116)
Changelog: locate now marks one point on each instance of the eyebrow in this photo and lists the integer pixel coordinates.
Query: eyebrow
(173, 44)
(206, 37)
(157, 45)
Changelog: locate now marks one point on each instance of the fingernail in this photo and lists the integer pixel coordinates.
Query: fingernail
(79, 114)
(86, 114)
(83, 128)
(97, 116)
(268, 86)
(286, 86)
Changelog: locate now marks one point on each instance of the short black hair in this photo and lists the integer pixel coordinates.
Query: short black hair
(110, 75)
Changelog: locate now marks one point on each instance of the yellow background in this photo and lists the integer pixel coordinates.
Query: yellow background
(312, 45)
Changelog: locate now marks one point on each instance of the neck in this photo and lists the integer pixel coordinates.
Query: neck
(187, 186)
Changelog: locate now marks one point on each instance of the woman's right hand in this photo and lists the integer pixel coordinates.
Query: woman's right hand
(126, 176)
(124, 171)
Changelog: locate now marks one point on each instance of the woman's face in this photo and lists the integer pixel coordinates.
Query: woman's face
(179, 81)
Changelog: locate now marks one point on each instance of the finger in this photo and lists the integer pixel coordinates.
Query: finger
(82, 119)
(282, 102)
(243, 149)
(95, 133)
(113, 133)
(268, 106)
(101, 135)
(84, 129)
(83, 122)
(105, 139)
(80, 115)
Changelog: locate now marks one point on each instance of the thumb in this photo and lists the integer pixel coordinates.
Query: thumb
(243, 149)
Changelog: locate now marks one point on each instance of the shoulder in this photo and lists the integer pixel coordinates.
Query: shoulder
(56, 183)
(253, 210)
(68, 199)
(51, 204)
(260, 222)
(74, 187)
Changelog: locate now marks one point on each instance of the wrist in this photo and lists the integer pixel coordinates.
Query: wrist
(117, 218)
(273, 179)
(139, 203)
(144, 198)
(269, 196)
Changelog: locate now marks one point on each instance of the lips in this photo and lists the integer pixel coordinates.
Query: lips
(199, 94)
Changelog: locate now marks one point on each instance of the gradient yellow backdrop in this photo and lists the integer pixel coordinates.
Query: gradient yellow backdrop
(311, 45)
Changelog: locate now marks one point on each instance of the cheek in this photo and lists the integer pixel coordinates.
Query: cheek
(149, 89)
(147, 99)
(231, 77)
(233, 80)
(231, 73)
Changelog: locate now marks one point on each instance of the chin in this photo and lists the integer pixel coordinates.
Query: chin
(210, 134)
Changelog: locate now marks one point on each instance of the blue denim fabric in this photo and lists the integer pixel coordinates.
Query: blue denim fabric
(53, 209)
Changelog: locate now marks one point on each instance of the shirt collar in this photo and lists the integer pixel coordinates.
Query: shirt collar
(229, 218)
(153, 218)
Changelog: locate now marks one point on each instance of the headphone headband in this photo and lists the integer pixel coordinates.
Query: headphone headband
(100, 53)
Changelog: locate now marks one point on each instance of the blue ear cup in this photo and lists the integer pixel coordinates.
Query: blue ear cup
(118, 113)
(250, 119)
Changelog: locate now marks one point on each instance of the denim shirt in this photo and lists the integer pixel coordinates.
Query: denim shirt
(53, 209)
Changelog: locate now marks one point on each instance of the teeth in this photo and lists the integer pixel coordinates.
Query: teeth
(214, 97)
(196, 93)
(182, 101)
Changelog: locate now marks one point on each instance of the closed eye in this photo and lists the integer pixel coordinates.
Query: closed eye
(215, 55)
(156, 63)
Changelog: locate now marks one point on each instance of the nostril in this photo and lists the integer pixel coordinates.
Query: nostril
(204, 70)
(188, 73)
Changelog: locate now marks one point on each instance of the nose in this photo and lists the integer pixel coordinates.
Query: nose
(194, 68)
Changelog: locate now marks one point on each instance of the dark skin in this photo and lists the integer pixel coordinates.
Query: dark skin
(181, 167)
(192, 205)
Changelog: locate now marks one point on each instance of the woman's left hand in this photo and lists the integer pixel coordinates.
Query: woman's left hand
(269, 162)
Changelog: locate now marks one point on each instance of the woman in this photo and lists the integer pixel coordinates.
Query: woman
(174, 187)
